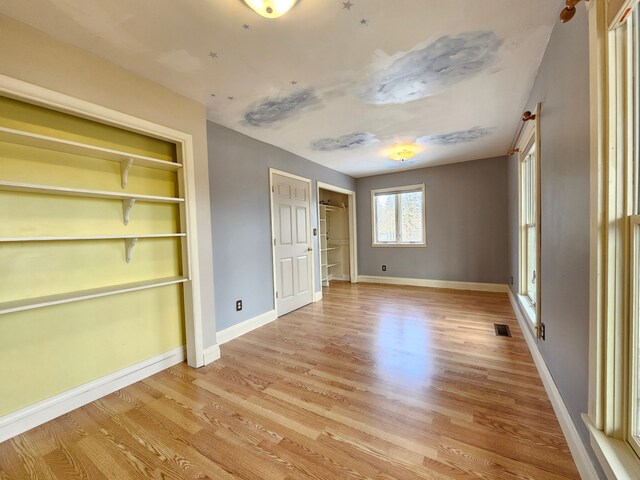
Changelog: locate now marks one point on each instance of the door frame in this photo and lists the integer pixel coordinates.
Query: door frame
(353, 232)
(272, 172)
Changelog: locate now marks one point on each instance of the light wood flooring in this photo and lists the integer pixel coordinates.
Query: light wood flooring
(377, 382)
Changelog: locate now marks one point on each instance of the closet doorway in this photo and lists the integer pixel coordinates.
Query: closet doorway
(337, 234)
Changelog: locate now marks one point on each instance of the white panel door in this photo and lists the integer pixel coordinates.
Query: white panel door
(292, 243)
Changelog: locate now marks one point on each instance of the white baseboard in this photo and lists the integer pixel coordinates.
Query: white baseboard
(19, 422)
(211, 354)
(317, 296)
(420, 282)
(578, 450)
(245, 327)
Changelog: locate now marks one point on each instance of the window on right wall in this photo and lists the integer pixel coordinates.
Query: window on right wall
(614, 414)
(631, 33)
(528, 150)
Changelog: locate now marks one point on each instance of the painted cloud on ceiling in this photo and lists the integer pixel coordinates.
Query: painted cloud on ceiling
(453, 138)
(271, 110)
(350, 141)
(430, 70)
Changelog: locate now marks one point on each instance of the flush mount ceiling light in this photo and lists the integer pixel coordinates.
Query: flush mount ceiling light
(271, 8)
(402, 153)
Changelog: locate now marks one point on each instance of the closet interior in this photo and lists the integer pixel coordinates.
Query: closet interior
(334, 236)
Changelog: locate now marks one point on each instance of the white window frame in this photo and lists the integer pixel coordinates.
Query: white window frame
(632, 163)
(614, 244)
(397, 190)
(530, 139)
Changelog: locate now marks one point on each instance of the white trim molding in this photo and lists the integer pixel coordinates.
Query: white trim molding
(420, 282)
(317, 296)
(617, 458)
(211, 354)
(27, 418)
(576, 446)
(241, 328)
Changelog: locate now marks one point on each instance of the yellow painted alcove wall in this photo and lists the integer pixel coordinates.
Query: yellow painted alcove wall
(46, 351)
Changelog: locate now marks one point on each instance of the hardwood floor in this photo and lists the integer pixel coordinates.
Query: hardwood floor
(378, 382)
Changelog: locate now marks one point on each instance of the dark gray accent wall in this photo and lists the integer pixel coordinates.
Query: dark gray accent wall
(562, 88)
(241, 218)
(466, 210)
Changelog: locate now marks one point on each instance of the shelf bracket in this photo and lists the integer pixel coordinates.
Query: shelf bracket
(125, 165)
(128, 246)
(127, 205)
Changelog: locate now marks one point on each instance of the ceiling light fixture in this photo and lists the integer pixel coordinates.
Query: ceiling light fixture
(402, 153)
(271, 8)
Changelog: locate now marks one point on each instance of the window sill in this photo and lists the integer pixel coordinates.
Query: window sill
(411, 245)
(616, 457)
(528, 309)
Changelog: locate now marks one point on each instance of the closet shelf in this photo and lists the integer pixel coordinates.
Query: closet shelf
(76, 148)
(332, 265)
(329, 249)
(78, 295)
(331, 208)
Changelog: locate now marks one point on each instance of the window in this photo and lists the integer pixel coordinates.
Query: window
(528, 155)
(398, 216)
(529, 224)
(631, 38)
(614, 418)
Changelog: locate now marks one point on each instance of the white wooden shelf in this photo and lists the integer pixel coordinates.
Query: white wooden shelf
(80, 192)
(329, 249)
(88, 237)
(128, 199)
(332, 265)
(76, 148)
(78, 295)
(129, 240)
(331, 208)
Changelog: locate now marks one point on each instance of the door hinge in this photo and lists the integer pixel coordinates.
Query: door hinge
(273, 188)
(274, 242)
(276, 294)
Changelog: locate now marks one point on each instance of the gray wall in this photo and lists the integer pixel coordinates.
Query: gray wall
(562, 87)
(466, 224)
(241, 218)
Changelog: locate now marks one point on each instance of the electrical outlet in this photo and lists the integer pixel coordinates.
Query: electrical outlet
(238, 305)
(384, 268)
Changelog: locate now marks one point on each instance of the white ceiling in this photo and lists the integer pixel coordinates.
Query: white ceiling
(337, 84)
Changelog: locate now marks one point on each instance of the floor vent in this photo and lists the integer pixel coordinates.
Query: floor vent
(502, 330)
